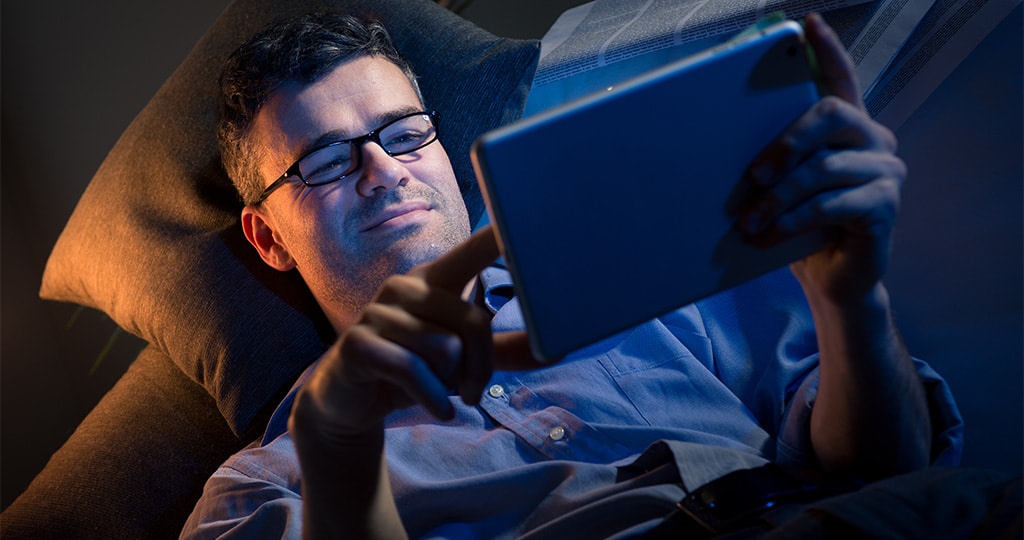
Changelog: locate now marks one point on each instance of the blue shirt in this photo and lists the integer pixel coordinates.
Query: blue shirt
(601, 444)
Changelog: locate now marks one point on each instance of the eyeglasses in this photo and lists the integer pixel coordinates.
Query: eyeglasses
(339, 159)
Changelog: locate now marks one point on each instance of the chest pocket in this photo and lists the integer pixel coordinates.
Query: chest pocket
(667, 371)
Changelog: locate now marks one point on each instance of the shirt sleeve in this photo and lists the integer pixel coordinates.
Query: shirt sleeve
(766, 352)
(794, 441)
(246, 498)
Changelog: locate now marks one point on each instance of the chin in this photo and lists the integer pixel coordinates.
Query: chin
(415, 249)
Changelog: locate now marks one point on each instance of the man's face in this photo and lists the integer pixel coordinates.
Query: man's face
(391, 214)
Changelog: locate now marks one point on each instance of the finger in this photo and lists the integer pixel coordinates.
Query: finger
(868, 209)
(829, 124)
(453, 270)
(433, 303)
(837, 70)
(512, 352)
(477, 366)
(477, 362)
(452, 335)
(827, 171)
(439, 347)
(399, 367)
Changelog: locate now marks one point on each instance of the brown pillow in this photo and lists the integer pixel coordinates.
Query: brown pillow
(156, 242)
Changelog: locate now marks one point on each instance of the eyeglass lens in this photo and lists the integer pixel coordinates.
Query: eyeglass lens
(334, 161)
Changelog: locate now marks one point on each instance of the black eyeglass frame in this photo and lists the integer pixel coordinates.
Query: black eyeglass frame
(357, 143)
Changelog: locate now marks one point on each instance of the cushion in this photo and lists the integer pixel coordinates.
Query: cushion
(134, 467)
(156, 241)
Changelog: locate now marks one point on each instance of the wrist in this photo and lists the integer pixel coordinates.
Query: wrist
(860, 330)
(870, 306)
(310, 427)
(871, 416)
(345, 489)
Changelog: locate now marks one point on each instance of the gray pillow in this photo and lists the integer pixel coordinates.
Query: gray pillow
(156, 242)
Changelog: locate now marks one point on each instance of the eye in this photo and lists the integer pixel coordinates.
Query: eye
(408, 138)
(327, 164)
(329, 171)
(408, 134)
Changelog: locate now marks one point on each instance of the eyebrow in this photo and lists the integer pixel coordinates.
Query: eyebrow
(339, 135)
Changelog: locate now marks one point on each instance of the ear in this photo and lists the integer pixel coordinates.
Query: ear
(259, 230)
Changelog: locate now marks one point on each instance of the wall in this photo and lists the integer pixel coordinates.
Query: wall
(74, 76)
(957, 276)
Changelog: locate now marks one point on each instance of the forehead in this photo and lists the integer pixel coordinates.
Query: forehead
(349, 101)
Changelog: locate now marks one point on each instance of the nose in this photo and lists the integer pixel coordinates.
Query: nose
(379, 171)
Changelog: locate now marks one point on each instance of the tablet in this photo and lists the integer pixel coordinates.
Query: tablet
(620, 206)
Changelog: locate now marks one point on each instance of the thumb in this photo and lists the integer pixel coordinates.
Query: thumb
(512, 352)
(837, 70)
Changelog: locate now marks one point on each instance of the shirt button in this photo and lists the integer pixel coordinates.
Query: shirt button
(557, 433)
(496, 391)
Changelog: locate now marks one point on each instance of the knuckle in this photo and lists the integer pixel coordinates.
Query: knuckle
(479, 320)
(406, 282)
(789, 144)
(832, 108)
(885, 201)
(448, 346)
(890, 195)
(819, 208)
(786, 223)
(830, 163)
(357, 343)
(842, 115)
(374, 311)
(400, 286)
(389, 289)
(899, 169)
(887, 138)
(889, 188)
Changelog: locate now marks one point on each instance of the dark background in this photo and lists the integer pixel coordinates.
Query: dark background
(75, 74)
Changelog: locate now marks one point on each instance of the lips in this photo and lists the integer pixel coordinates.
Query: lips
(394, 211)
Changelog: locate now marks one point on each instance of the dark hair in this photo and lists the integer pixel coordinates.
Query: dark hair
(303, 50)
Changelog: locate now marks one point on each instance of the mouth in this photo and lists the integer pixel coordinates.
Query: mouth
(397, 215)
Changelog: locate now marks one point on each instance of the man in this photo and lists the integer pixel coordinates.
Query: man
(391, 432)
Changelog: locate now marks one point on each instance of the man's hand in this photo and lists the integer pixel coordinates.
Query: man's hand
(833, 168)
(415, 342)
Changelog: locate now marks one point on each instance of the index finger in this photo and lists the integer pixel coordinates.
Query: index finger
(454, 269)
(837, 70)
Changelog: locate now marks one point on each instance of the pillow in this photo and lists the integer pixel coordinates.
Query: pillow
(156, 240)
(134, 467)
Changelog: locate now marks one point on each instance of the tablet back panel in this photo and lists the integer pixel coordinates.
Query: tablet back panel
(618, 207)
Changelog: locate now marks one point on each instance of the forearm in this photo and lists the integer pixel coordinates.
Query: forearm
(870, 417)
(345, 488)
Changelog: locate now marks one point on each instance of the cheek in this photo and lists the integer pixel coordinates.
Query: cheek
(325, 205)
(319, 219)
(439, 171)
(327, 216)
